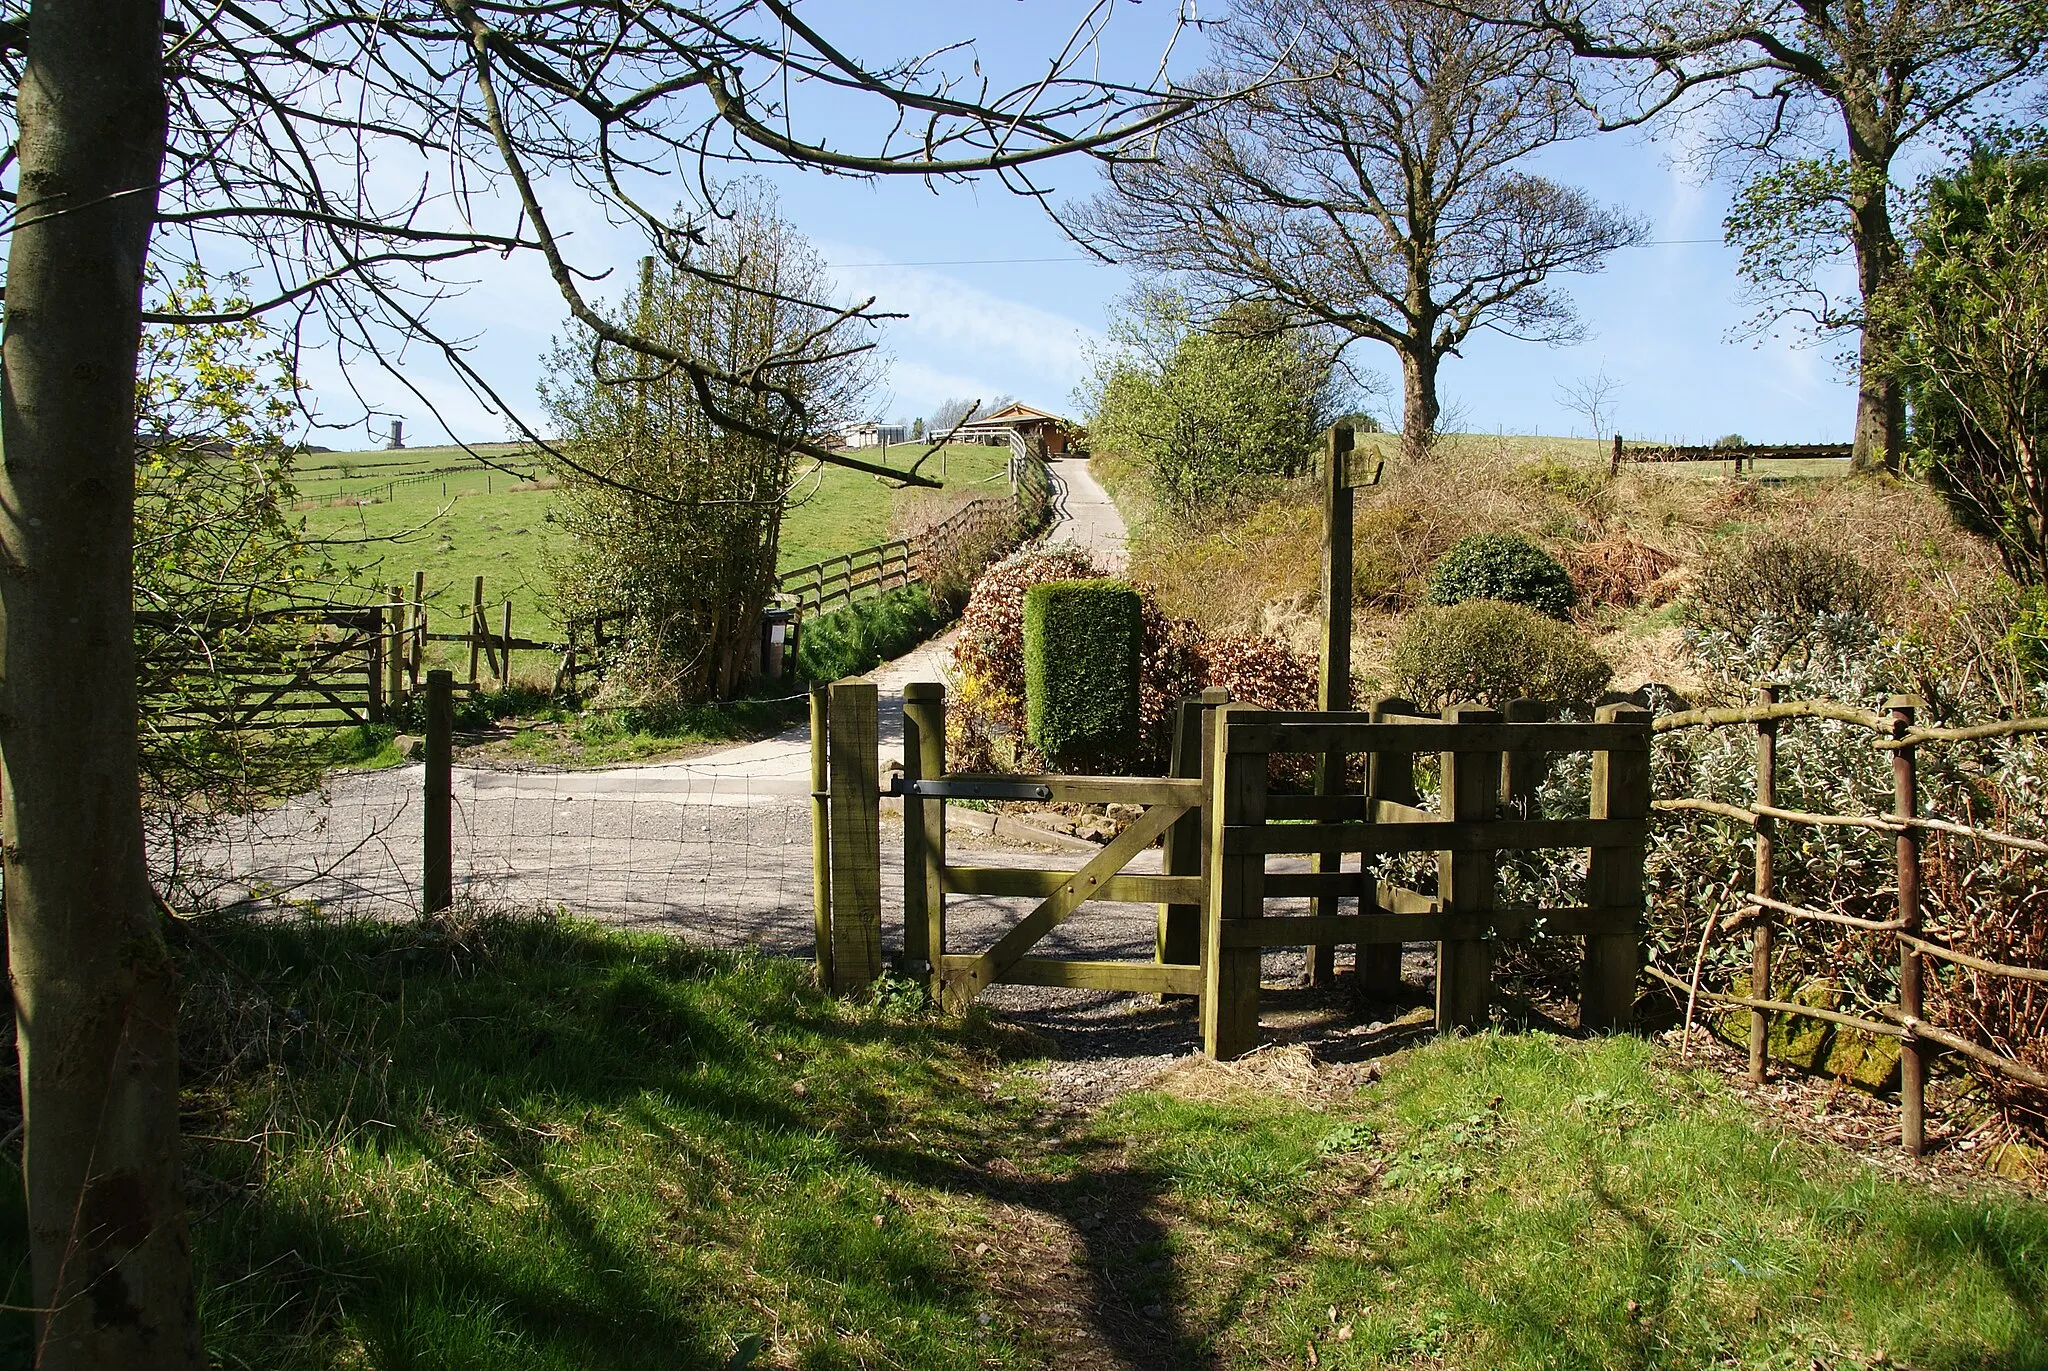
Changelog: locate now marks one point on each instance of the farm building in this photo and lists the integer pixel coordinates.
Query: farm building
(1035, 426)
(875, 434)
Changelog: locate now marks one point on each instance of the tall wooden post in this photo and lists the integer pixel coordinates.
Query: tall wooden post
(478, 628)
(1465, 880)
(821, 837)
(1912, 1052)
(395, 648)
(856, 836)
(416, 650)
(1763, 935)
(373, 623)
(924, 831)
(505, 650)
(1614, 876)
(1388, 776)
(1179, 939)
(1614, 462)
(1237, 890)
(438, 864)
(1333, 681)
(1521, 772)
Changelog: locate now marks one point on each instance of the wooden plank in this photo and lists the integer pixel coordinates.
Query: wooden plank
(1179, 935)
(1389, 776)
(1466, 869)
(1439, 835)
(1139, 978)
(1180, 792)
(1334, 808)
(1333, 672)
(1395, 929)
(821, 841)
(856, 836)
(1614, 874)
(1056, 908)
(924, 828)
(1398, 812)
(1366, 736)
(1135, 888)
(438, 864)
(1230, 985)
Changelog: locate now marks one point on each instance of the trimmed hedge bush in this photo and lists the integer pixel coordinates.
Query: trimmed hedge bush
(1492, 652)
(861, 636)
(1501, 566)
(1083, 646)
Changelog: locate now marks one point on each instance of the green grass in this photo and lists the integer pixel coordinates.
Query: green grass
(535, 1143)
(1523, 1201)
(480, 522)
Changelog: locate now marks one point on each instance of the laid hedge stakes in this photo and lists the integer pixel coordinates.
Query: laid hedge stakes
(1083, 642)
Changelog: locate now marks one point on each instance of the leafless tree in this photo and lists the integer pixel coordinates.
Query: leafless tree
(1371, 182)
(353, 160)
(1812, 103)
(1592, 399)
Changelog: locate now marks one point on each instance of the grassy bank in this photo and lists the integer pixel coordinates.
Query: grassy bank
(477, 522)
(535, 1143)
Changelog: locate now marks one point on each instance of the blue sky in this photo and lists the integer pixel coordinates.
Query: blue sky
(999, 301)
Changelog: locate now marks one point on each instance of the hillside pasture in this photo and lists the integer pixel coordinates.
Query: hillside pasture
(387, 514)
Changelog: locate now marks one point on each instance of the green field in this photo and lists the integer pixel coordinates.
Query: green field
(388, 514)
(529, 1143)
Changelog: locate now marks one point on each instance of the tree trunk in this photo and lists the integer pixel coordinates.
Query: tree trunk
(94, 988)
(1880, 403)
(1418, 397)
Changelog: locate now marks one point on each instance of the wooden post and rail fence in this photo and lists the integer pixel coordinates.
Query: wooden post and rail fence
(1896, 729)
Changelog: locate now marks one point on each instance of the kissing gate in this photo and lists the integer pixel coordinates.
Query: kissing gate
(1220, 820)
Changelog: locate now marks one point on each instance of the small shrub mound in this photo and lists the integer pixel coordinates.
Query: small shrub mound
(863, 635)
(1083, 643)
(1492, 652)
(1501, 566)
(1792, 580)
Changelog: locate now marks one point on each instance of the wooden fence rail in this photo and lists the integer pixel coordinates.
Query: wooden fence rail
(1894, 730)
(1751, 453)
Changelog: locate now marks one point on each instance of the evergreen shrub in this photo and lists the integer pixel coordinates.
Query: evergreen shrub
(1083, 646)
(1501, 566)
(1492, 652)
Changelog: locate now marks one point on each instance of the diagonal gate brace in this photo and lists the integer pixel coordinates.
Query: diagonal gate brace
(963, 985)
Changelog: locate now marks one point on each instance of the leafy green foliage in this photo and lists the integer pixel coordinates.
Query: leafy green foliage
(1491, 652)
(1083, 645)
(1970, 320)
(670, 516)
(1792, 224)
(1211, 411)
(218, 555)
(862, 635)
(1501, 566)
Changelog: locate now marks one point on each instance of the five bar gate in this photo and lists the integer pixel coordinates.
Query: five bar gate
(1220, 821)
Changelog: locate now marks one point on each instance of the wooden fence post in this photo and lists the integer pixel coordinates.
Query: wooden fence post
(1465, 880)
(1179, 939)
(1333, 677)
(1522, 772)
(416, 651)
(477, 629)
(1388, 776)
(505, 651)
(1237, 890)
(924, 831)
(438, 864)
(1614, 462)
(1614, 877)
(1764, 934)
(821, 839)
(1912, 1052)
(373, 622)
(394, 654)
(856, 836)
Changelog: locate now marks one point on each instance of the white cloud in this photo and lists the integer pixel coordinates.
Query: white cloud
(963, 321)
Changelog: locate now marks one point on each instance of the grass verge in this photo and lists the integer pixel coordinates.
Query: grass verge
(536, 1143)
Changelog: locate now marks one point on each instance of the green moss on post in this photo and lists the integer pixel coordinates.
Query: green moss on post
(1083, 641)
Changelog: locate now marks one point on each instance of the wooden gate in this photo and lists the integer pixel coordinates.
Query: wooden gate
(1172, 809)
(1488, 772)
